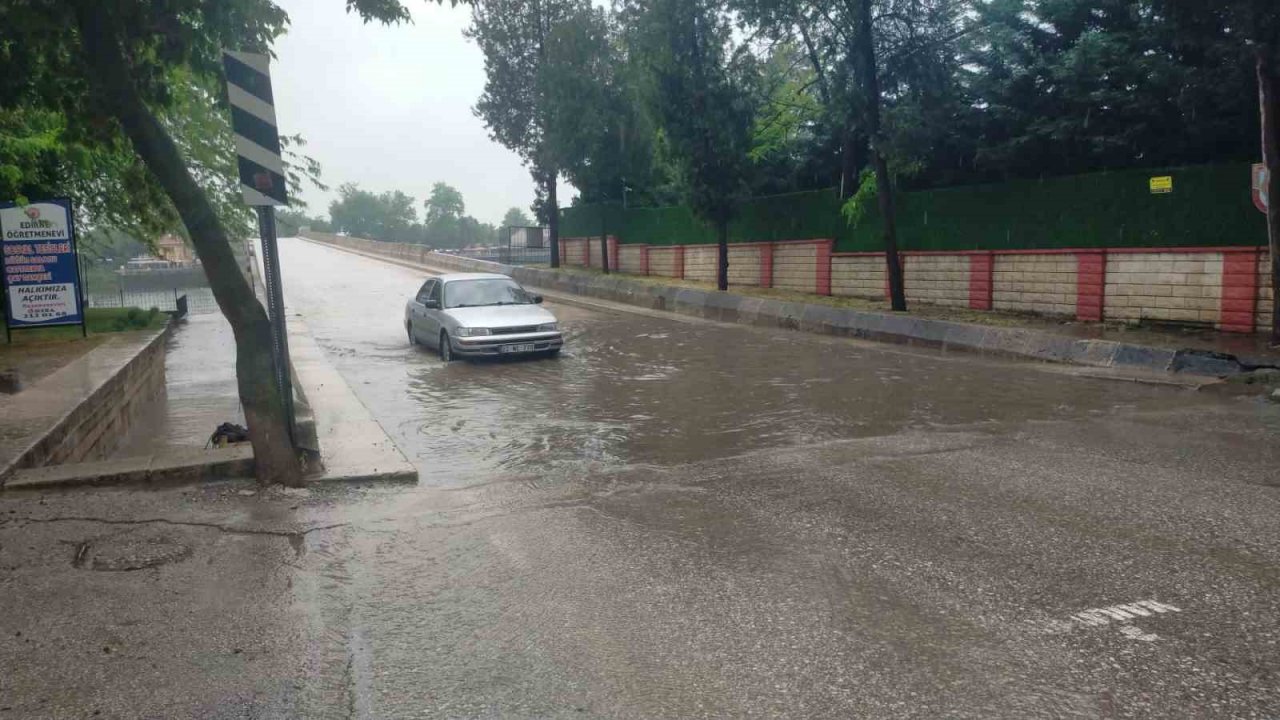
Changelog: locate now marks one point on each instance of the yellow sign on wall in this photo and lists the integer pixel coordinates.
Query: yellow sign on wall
(1162, 184)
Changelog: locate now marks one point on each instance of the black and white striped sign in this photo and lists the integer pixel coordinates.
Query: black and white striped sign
(253, 120)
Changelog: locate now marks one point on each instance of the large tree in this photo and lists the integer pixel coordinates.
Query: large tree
(109, 68)
(704, 92)
(388, 216)
(445, 203)
(513, 35)
(515, 217)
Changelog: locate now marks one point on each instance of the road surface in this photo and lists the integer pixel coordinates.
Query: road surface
(679, 518)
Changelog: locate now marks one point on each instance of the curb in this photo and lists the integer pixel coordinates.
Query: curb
(1022, 343)
(169, 468)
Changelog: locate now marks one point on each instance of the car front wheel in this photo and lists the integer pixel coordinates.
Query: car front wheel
(446, 347)
(408, 326)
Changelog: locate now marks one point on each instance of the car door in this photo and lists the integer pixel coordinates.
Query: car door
(431, 319)
(418, 313)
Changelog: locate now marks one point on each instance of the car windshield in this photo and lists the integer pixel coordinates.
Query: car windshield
(477, 293)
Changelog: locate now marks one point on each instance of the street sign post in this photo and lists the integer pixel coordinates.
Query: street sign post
(262, 185)
(1261, 178)
(41, 282)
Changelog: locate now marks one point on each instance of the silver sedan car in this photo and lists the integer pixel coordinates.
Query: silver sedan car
(480, 314)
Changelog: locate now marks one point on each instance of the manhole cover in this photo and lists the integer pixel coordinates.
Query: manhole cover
(131, 553)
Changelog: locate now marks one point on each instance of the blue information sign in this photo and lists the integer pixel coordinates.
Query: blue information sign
(41, 276)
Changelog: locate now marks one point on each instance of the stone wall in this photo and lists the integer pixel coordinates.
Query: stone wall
(1263, 305)
(1165, 286)
(700, 262)
(631, 259)
(795, 266)
(744, 264)
(1039, 283)
(665, 261)
(936, 279)
(860, 275)
(573, 251)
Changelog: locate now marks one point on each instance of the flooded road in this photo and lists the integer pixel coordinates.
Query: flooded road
(679, 518)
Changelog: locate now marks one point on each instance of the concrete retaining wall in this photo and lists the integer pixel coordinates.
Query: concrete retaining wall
(96, 417)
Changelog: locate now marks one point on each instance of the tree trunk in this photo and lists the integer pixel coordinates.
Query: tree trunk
(604, 243)
(1269, 105)
(275, 459)
(848, 164)
(866, 52)
(722, 255)
(553, 216)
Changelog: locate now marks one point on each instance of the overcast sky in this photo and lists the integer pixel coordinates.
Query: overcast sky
(389, 108)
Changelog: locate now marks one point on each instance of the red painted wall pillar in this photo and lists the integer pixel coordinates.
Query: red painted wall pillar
(564, 258)
(644, 259)
(678, 262)
(822, 258)
(766, 265)
(614, 266)
(1239, 290)
(981, 274)
(1091, 282)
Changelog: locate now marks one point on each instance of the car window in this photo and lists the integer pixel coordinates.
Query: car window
(435, 291)
(476, 293)
(425, 291)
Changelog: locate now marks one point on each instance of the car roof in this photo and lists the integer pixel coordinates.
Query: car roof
(452, 277)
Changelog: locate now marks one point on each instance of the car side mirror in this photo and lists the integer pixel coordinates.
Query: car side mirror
(431, 304)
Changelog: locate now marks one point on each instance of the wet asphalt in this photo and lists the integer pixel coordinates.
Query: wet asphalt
(679, 518)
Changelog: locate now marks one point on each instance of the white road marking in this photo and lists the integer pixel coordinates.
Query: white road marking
(1123, 615)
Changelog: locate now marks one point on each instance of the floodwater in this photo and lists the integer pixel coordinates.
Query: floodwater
(200, 389)
(633, 389)
(679, 518)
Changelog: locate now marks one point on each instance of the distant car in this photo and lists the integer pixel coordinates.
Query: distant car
(480, 314)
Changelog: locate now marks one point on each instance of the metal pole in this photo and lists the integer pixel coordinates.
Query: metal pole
(275, 309)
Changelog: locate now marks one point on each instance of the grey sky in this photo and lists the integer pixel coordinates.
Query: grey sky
(390, 107)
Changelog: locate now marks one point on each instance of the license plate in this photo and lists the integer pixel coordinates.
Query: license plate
(526, 347)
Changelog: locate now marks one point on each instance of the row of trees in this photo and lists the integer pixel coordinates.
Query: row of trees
(393, 217)
(704, 102)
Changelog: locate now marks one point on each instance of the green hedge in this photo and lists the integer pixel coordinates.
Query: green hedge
(1210, 205)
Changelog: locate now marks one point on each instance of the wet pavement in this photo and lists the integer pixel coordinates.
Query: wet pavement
(679, 518)
(200, 389)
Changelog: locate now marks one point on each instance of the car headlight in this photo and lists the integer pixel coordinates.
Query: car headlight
(548, 327)
(473, 332)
